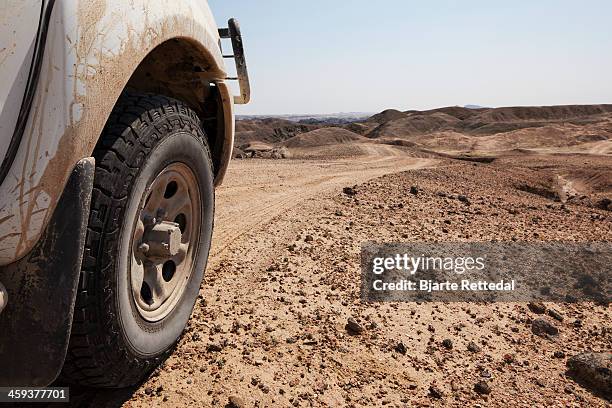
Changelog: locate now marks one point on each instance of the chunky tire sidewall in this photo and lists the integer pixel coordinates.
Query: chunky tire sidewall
(147, 339)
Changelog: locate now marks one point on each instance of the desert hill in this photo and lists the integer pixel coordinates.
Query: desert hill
(388, 115)
(322, 137)
(449, 130)
(268, 130)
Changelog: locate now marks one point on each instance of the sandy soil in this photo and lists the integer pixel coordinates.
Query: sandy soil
(283, 278)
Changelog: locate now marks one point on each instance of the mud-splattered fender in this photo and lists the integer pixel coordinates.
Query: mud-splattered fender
(92, 49)
(41, 287)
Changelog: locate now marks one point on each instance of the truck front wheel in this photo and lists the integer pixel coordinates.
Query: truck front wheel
(147, 242)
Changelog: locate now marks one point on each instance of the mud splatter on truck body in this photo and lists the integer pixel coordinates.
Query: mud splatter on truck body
(93, 50)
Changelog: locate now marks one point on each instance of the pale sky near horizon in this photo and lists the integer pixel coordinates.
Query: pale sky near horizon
(307, 57)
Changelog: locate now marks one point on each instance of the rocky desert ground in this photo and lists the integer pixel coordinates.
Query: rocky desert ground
(280, 321)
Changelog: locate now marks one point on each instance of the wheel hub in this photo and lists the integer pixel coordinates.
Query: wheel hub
(165, 239)
(162, 241)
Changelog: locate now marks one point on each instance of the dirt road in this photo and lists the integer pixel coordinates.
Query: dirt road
(255, 191)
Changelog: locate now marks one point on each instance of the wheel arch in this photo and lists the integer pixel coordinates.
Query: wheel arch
(179, 68)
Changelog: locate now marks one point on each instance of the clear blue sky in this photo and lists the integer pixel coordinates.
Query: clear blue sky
(364, 56)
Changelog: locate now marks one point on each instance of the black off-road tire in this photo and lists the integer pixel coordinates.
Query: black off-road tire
(111, 345)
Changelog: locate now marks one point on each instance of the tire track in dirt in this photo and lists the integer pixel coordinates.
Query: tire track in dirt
(256, 191)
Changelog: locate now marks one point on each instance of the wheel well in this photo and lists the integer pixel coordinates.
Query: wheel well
(177, 68)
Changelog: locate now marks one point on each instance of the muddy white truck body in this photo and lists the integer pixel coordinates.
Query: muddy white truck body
(64, 65)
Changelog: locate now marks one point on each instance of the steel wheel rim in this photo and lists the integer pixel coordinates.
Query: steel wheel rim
(158, 276)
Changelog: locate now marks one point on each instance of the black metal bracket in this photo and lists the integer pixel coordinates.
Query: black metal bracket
(234, 34)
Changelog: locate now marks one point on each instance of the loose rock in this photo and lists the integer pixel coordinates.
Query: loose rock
(594, 370)
(464, 199)
(473, 347)
(482, 387)
(349, 191)
(542, 327)
(214, 348)
(235, 402)
(401, 348)
(435, 392)
(537, 307)
(353, 327)
(555, 315)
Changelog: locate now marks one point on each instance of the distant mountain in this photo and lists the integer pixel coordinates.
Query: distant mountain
(474, 107)
(315, 119)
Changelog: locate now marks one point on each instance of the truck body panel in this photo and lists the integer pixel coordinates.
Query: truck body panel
(18, 28)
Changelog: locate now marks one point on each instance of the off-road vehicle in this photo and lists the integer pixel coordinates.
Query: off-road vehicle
(116, 125)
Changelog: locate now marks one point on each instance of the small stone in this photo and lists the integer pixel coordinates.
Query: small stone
(464, 199)
(447, 343)
(401, 348)
(309, 238)
(349, 191)
(149, 390)
(482, 387)
(555, 315)
(537, 307)
(435, 392)
(214, 348)
(339, 213)
(353, 327)
(509, 358)
(542, 327)
(235, 402)
(559, 354)
(414, 190)
(473, 347)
